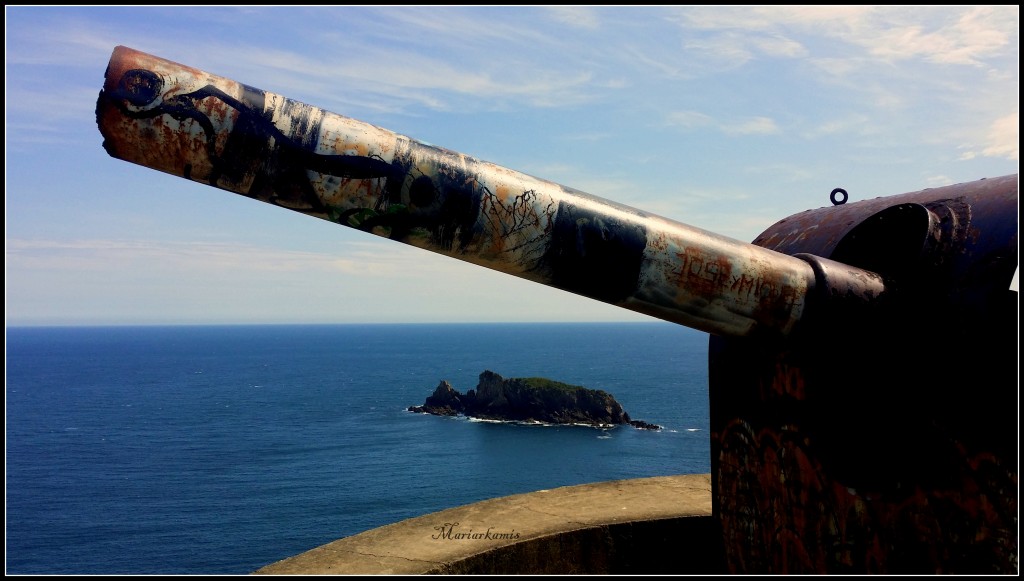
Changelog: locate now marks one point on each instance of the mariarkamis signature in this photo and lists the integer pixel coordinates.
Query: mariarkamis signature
(448, 532)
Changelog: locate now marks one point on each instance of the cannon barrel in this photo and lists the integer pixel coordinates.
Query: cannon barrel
(216, 131)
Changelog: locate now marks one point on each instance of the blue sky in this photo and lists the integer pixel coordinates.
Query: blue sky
(724, 118)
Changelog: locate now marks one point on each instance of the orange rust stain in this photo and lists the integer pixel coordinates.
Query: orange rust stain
(658, 243)
(702, 275)
(787, 381)
(216, 109)
(351, 147)
(124, 59)
(350, 192)
(773, 482)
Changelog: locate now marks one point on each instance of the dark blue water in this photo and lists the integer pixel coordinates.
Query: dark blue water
(192, 450)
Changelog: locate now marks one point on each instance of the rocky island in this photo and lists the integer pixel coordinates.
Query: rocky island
(530, 399)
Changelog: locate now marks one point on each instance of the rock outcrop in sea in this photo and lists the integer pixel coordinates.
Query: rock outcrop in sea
(530, 399)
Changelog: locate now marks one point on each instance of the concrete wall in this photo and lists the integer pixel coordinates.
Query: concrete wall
(660, 525)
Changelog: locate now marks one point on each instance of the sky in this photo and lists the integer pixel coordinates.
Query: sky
(727, 118)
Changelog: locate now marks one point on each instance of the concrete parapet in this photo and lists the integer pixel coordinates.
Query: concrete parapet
(641, 526)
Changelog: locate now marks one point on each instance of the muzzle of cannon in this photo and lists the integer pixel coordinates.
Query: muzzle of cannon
(862, 367)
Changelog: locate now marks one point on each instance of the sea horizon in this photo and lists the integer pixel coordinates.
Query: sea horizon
(221, 448)
(105, 325)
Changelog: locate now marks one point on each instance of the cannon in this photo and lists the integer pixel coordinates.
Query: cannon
(862, 356)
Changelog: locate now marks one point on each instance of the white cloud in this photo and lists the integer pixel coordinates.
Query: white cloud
(431, 79)
(106, 281)
(760, 18)
(458, 27)
(688, 119)
(938, 181)
(1001, 140)
(720, 52)
(779, 46)
(1004, 138)
(365, 259)
(669, 67)
(968, 155)
(853, 124)
(577, 16)
(65, 42)
(942, 35)
(971, 38)
(753, 126)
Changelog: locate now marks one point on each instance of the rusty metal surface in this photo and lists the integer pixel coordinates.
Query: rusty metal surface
(890, 446)
(216, 131)
(819, 231)
(863, 469)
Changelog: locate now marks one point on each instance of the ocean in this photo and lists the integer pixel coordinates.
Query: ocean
(221, 449)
